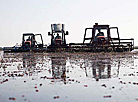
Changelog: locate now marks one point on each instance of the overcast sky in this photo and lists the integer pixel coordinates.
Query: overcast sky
(35, 16)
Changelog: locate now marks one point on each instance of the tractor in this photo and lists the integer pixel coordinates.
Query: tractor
(29, 43)
(58, 40)
(103, 38)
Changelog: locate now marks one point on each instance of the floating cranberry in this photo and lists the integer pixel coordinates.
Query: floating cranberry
(85, 85)
(37, 90)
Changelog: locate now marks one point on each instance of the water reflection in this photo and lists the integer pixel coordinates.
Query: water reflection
(102, 66)
(59, 68)
(29, 61)
(33, 63)
(101, 70)
(97, 66)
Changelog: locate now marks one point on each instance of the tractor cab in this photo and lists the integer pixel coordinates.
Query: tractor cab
(31, 40)
(58, 35)
(100, 34)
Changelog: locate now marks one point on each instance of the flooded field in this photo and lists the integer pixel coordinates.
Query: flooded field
(69, 77)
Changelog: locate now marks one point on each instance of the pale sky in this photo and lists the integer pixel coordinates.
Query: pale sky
(36, 16)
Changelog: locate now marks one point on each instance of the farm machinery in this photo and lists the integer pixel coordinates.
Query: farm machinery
(58, 40)
(29, 43)
(100, 38)
(103, 38)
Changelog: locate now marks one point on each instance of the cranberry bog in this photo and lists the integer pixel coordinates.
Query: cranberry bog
(69, 77)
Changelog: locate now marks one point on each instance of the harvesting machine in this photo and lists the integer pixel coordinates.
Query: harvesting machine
(29, 43)
(58, 39)
(99, 38)
(103, 38)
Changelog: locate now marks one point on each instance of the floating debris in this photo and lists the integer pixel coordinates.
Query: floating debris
(56, 97)
(107, 96)
(12, 98)
(103, 85)
(85, 85)
(37, 90)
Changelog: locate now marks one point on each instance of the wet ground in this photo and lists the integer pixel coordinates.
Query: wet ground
(69, 77)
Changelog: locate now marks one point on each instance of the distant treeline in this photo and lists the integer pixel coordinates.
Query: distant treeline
(136, 47)
(1, 48)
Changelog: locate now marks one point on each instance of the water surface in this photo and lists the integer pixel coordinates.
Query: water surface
(69, 77)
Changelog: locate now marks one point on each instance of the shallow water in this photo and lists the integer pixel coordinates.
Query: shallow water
(69, 77)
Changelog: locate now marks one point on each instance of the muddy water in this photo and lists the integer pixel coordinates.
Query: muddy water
(69, 77)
